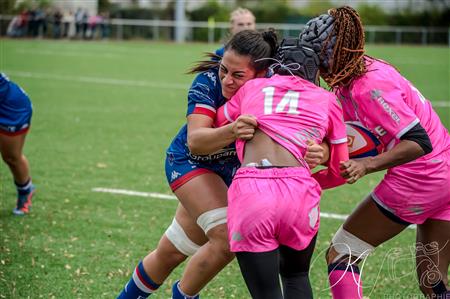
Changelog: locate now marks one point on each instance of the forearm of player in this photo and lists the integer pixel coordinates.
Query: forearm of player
(204, 141)
(330, 177)
(404, 152)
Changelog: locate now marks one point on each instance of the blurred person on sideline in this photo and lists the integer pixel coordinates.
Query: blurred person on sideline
(240, 19)
(15, 119)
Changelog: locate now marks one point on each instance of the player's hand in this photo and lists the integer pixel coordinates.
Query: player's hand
(353, 170)
(244, 127)
(314, 155)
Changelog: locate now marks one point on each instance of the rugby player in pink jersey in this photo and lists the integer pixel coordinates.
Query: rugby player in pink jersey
(416, 187)
(273, 200)
(200, 163)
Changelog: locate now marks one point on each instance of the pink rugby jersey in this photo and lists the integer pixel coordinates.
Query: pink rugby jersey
(292, 111)
(389, 106)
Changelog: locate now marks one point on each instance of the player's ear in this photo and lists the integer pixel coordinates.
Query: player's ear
(261, 74)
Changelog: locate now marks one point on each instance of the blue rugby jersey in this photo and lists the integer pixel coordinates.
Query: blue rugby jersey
(204, 97)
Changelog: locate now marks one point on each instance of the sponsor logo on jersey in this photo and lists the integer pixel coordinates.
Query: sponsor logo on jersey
(376, 95)
(174, 175)
(223, 153)
(236, 236)
(212, 76)
(300, 137)
(380, 131)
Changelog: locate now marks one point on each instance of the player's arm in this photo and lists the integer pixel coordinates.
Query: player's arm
(203, 139)
(402, 122)
(337, 138)
(331, 176)
(316, 154)
(206, 135)
(414, 144)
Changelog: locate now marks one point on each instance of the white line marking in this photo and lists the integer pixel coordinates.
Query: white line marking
(135, 193)
(440, 104)
(112, 81)
(98, 80)
(172, 197)
(68, 53)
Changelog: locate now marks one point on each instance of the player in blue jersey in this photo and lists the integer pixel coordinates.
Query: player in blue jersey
(200, 163)
(240, 19)
(15, 120)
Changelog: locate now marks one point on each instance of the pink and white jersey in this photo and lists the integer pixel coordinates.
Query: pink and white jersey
(290, 110)
(389, 105)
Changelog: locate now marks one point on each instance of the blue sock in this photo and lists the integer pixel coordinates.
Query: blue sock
(178, 294)
(139, 286)
(24, 189)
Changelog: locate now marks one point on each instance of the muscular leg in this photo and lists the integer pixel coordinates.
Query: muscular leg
(11, 150)
(433, 256)
(158, 264)
(201, 194)
(166, 257)
(358, 240)
(360, 223)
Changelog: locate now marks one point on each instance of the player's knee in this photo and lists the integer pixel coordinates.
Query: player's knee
(185, 246)
(212, 222)
(345, 244)
(214, 225)
(11, 160)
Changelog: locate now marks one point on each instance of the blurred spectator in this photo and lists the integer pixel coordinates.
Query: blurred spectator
(69, 24)
(78, 21)
(57, 21)
(84, 23)
(240, 19)
(32, 22)
(41, 22)
(93, 22)
(104, 25)
(14, 29)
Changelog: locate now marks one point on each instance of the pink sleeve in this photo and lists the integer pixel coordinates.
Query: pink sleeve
(230, 111)
(337, 132)
(386, 106)
(330, 177)
(337, 137)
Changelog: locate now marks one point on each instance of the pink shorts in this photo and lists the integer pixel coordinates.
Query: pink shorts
(418, 190)
(271, 207)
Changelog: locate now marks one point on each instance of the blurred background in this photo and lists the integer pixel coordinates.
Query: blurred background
(387, 21)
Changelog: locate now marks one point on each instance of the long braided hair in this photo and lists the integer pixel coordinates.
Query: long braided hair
(348, 51)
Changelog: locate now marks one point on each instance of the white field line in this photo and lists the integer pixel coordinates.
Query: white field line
(172, 197)
(131, 83)
(98, 80)
(118, 52)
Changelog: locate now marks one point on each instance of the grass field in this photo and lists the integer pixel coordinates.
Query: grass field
(104, 113)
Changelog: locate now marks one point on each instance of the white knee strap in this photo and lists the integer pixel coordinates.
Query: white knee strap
(345, 243)
(212, 219)
(180, 240)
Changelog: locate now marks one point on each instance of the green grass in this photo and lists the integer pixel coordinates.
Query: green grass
(88, 133)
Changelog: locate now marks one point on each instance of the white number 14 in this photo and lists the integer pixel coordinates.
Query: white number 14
(290, 98)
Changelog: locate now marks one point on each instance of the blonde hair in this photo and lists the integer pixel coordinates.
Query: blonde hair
(239, 12)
